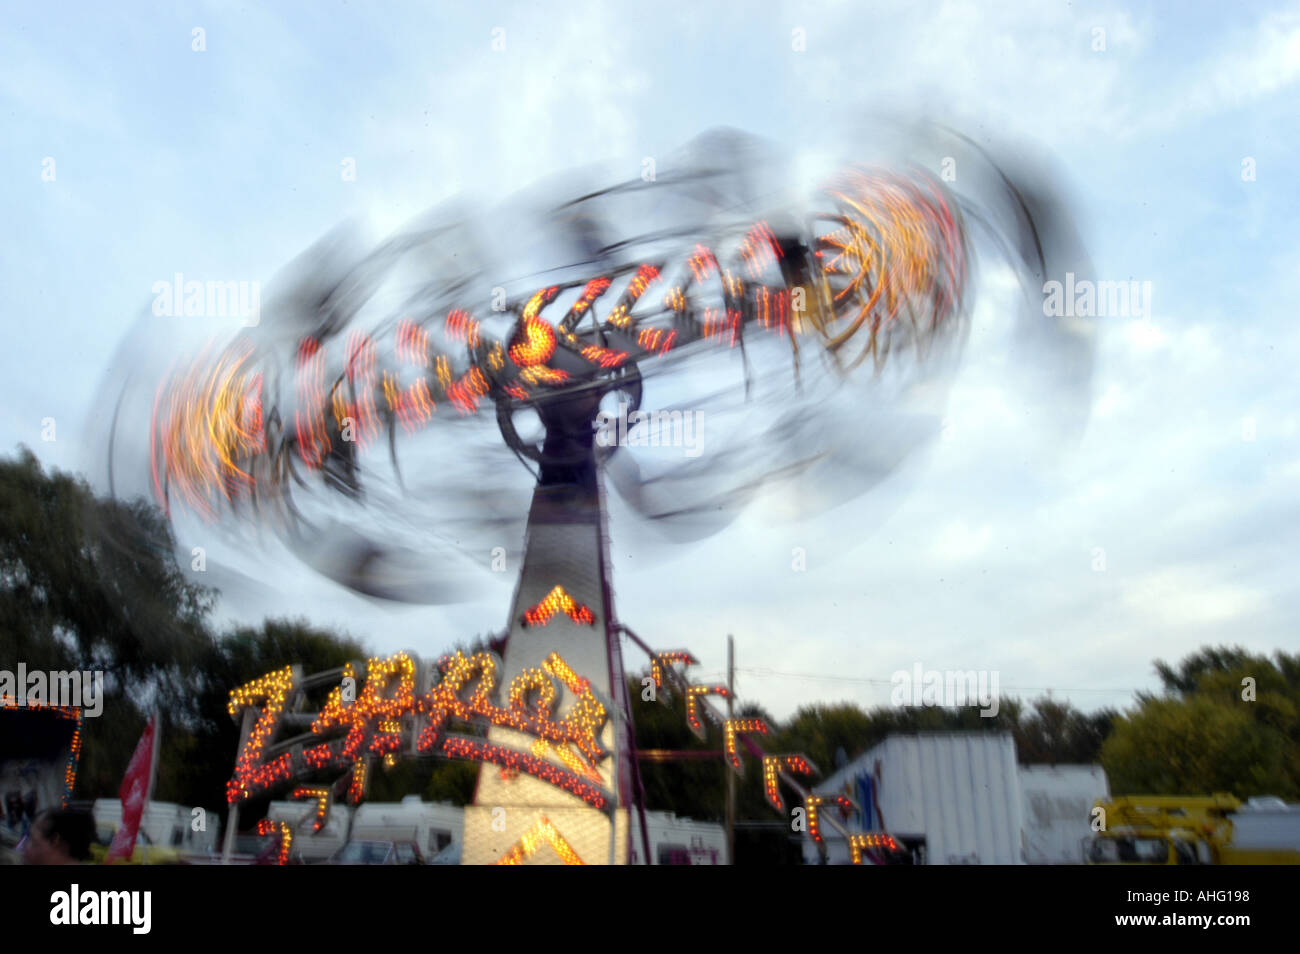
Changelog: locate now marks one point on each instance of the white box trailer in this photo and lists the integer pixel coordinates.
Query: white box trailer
(678, 841)
(165, 824)
(1265, 825)
(208, 840)
(436, 828)
(951, 797)
(1058, 802)
(961, 798)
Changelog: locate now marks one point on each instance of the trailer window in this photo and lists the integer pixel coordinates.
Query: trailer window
(438, 840)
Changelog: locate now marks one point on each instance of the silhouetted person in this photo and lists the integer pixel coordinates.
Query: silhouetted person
(59, 838)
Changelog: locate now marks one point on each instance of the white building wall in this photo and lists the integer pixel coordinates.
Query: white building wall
(959, 791)
(1058, 802)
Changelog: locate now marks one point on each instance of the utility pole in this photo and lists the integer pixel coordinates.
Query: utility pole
(232, 808)
(731, 774)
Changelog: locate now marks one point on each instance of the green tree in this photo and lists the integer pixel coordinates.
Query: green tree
(1056, 733)
(93, 584)
(819, 731)
(1227, 721)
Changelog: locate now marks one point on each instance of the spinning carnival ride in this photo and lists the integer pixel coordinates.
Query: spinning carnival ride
(875, 271)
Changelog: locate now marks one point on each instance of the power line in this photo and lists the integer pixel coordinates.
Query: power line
(764, 672)
(774, 673)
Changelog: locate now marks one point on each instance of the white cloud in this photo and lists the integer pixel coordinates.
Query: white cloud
(1191, 597)
(1145, 335)
(1264, 61)
(959, 541)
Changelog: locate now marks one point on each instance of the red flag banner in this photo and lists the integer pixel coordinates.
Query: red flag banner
(135, 793)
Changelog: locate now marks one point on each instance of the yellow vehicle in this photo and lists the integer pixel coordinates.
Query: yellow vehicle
(143, 854)
(1187, 830)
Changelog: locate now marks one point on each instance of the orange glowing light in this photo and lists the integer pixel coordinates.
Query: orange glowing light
(543, 375)
(460, 326)
(360, 377)
(309, 421)
(870, 841)
(477, 750)
(252, 773)
(555, 601)
(730, 729)
(282, 830)
(533, 341)
(207, 425)
(321, 795)
(604, 357)
(675, 300)
(656, 340)
(898, 248)
(542, 833)
(812, 806)
(373, 719)
(718, 326)
(702, 263)
(660, 663)
(593, 290)
(620, 316)
(759, 249)
(693, 694)
(466, 392)
(773, 765)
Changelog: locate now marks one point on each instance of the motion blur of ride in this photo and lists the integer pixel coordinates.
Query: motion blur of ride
(794, 314)
(735, 289)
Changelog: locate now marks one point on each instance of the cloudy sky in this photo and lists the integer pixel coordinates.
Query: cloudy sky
(1172, 130)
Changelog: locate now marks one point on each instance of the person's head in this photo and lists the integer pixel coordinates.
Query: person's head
(59, 838)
